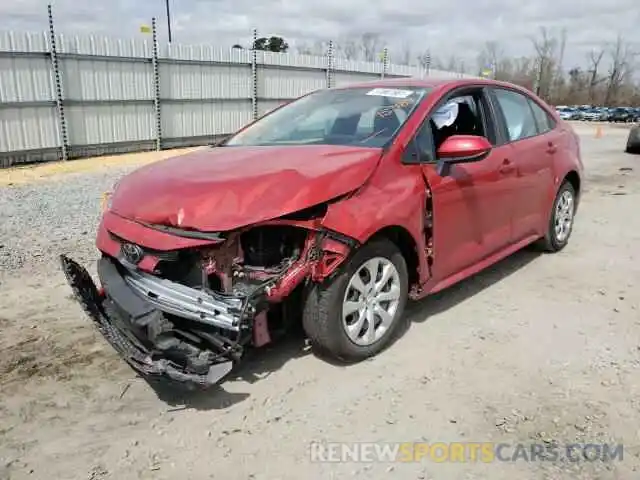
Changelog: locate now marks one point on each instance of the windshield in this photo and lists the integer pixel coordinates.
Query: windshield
(354, 116)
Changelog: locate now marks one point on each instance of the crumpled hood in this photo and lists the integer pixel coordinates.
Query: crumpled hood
(224, 188)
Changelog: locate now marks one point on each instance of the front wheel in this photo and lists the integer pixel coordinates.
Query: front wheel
(561, 221)
(357, 313)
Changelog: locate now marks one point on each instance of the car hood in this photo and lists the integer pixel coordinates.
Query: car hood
(224, 188)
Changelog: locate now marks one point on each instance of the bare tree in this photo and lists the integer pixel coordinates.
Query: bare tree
(492, 56)
(366, 47)
(348, 49)
(307, 48)
(523, 72)
(462, 67)
(451, 63)
(577, 85)
(595, 58)
(371, 45)
(607, 72)
(545, 47)
(558, 76)
(425, 61)
(619, 70)
(405, 55)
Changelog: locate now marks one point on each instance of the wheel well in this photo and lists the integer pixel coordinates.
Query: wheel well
(407, 246)
(574, 179)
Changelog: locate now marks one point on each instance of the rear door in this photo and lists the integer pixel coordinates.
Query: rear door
(534, 139)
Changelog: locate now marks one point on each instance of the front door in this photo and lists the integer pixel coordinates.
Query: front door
(472, 205)
(473, 211)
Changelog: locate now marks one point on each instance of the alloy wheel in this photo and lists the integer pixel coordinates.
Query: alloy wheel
(564, 213)
(371, 301)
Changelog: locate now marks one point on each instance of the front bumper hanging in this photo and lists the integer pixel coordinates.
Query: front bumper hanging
(145, 337)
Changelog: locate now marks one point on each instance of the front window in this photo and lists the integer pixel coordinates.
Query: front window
(367, 117)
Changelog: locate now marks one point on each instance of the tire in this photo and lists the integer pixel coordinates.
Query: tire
(322, 317)
(553, 241)
(633, 142)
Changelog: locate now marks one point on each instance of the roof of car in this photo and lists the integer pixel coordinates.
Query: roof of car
(429, 82)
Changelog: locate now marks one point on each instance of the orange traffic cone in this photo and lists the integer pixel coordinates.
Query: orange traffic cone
(598, 131)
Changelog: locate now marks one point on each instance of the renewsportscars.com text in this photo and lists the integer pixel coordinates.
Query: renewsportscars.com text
(482, 452)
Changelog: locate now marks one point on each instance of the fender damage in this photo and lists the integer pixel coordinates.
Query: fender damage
(203, 258)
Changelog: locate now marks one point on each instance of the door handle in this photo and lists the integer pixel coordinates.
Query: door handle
(551, 148)
(506, 167)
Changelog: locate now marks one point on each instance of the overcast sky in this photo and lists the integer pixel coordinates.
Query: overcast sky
(457, 27)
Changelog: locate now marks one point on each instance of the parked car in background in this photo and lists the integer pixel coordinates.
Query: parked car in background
(621, 114)
(568, 113)
(334, 208)
(578, 114)
(604, 113)
(593, 115)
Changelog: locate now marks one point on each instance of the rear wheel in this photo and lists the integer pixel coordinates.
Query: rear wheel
(561, 221)
(357, 313)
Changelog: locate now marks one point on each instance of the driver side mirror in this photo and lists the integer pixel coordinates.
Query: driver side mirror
(461, 149)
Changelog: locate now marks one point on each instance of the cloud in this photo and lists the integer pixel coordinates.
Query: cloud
(457, 27)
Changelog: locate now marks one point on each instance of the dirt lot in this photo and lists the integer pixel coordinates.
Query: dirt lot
(539, 348)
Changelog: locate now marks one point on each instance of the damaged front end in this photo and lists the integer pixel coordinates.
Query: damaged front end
(190, 314)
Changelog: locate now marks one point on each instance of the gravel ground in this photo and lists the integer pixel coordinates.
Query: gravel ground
(539, 348)
(60, 216)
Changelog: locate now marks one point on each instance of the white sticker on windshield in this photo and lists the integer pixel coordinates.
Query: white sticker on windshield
(390, 92)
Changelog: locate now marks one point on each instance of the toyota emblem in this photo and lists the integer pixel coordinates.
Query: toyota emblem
(132, 253)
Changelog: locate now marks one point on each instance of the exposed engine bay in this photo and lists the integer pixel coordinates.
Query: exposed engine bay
(191, 317)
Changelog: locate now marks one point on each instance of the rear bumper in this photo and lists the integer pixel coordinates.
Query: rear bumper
(141, 333)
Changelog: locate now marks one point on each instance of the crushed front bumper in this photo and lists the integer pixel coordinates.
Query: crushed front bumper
(144, 336)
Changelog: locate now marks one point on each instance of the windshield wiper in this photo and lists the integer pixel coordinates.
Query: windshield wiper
(373, 135)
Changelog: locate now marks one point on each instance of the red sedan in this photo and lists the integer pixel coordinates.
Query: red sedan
(333, 209)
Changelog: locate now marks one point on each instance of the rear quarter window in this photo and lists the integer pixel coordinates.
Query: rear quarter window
(544, 121)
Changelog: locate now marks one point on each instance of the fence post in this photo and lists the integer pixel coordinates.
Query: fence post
(254, 76)
(330, 64)
(385, 61)
(156, 84)
(428, 62)
(53, 52)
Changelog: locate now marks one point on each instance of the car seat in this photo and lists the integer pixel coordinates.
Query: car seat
(387, 120)
(345, 126)
(466, 123)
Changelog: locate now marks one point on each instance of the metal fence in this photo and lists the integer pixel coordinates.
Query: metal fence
(65, 97)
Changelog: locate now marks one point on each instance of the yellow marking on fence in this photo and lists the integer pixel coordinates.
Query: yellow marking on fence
(24, 174)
